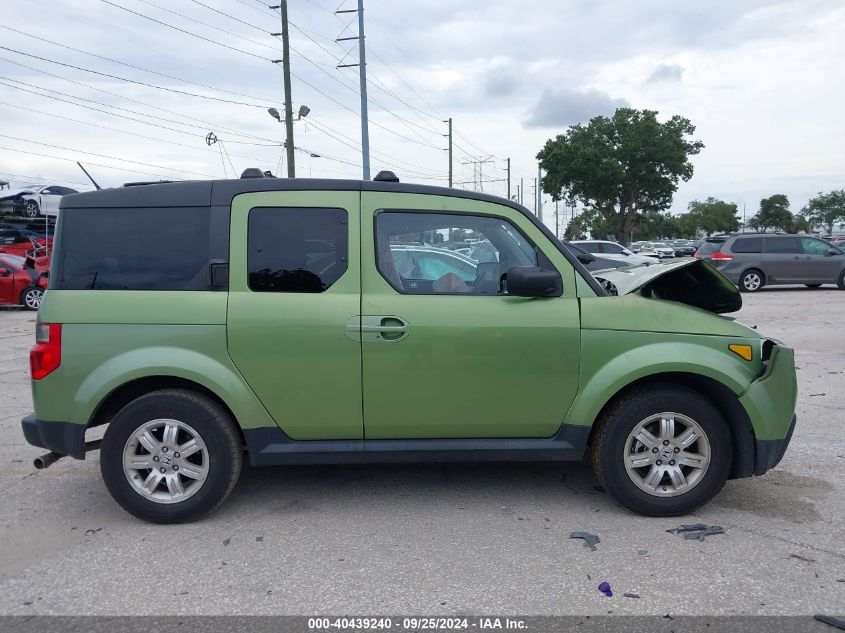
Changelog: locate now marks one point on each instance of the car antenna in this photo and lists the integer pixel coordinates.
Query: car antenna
(89, 176)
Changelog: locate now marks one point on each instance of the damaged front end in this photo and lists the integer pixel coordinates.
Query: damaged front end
(692, 282)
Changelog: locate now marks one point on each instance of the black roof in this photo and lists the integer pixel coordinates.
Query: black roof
(203, 193)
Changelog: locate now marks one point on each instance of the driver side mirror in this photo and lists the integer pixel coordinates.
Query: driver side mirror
(4, 272)
(832, 251)
(529, 281)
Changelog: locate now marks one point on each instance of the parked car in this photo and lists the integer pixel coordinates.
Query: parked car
(595, 263)
(23, 242)
(836, 240)
(612, 250)
(683, 248)
(23, 280)
(657, 250)
(270, 319)
(34, 200)
(755, 260)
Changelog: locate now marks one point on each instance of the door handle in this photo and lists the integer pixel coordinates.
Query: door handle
(393, 329)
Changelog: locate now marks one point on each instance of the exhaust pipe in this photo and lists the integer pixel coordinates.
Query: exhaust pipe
(48, 459)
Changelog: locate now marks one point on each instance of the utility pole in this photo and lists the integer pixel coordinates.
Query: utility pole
(557, 219)
(518, 192)
(521, 190)
(449, 121)
(536, 196)
(288, 101)
(509, 178)
(362, 74)
(539, 193)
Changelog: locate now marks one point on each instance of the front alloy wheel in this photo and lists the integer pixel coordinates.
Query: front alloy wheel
(667, 454)
(662, 449)
(30, 209)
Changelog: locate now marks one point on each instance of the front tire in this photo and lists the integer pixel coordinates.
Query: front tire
(841, 282)
(662, 450)
(31, 298)
(751, 281)
(171, 456)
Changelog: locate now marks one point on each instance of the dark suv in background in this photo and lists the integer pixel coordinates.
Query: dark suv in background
(754, 260)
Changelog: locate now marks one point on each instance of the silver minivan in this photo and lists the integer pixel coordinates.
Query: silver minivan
(752, 261)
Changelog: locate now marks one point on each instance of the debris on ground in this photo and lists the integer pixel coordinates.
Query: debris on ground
(604, 587)
(830, 620)
(801, 557)
(590, 540)
(697, 531)
(631, 595)
(226, 541)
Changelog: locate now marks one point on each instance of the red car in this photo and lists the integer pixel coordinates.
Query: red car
(22, 243)
(23, 280)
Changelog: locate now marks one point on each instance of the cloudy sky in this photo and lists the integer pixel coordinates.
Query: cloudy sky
(764, 82)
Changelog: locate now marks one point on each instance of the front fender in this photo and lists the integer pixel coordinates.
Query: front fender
(611, 360)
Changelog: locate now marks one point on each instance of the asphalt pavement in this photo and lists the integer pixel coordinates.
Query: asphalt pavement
(440, 539)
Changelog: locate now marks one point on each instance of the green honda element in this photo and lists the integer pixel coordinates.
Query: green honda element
(325, 321)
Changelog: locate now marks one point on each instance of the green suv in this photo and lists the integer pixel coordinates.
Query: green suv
(325, 321)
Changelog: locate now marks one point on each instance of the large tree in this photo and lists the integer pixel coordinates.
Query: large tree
(774, 213)
(713, 216)
(622, 166)
(826, 210)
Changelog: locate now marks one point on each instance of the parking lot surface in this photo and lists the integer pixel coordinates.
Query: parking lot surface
(440, 539)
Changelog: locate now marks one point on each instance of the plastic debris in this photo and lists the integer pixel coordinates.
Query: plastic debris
(604, 587)
(590, 540)
(697, 531)
(631, 595)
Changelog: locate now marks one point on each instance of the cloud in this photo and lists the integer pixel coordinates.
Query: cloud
(666, 73)
(563, 106)
(501, 82)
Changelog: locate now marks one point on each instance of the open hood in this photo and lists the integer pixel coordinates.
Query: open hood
(693, 282)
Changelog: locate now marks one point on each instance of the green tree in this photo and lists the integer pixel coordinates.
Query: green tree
(575, 230)
(826, 210)
(622, 166)
(712, 216)
(774, 213)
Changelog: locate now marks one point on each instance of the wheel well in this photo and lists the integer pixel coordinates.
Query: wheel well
(722, 398)
(127, 392)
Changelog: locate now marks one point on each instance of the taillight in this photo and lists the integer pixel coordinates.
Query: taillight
(720, 256)
(46, 355)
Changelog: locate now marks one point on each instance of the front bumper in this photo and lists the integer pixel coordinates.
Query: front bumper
(770, 404)
(64, 438)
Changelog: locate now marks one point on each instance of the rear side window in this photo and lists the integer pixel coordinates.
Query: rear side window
(296, 250)
(748, 245)
(134, 249)
(708, 248)
(782, 245)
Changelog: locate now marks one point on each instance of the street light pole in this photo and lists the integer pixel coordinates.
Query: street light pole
(288, 100)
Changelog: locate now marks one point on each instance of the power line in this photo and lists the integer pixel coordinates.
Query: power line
(24, 178)
(126, 160)
(133, 81)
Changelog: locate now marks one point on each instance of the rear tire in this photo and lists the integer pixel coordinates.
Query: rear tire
(31, 298)
(666, 483)
(146, 473)
(841, 282)
(751, 281)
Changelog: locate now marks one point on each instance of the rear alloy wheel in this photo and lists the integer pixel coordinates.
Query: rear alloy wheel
(171, 456)
(30, 209)
(751, 281)
(662, 450)
(31, 298)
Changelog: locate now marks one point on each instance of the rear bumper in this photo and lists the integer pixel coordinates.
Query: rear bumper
(64, 438)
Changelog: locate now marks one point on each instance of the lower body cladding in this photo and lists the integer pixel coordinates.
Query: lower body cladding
(269, 446)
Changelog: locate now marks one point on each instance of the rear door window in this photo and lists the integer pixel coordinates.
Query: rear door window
(748, 245)
(782, 245)
(813, 246)
(296, 250)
